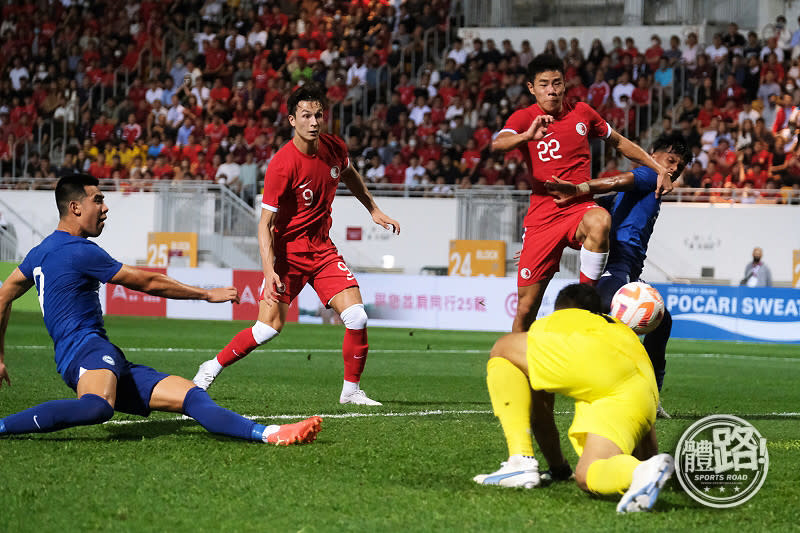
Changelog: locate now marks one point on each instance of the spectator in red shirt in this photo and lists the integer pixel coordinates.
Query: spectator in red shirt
(216, 60)
(219, 96)
(426, 128)
(731, 90)
(131, 131)
(610, 169)
(162, 169)
(429, 150)
(102, 130)
(599, 91)
(471, 156)
(707, 112)
(653, 54)
(755, 175)
(216, 131)
(482, 135)
(136, 92)
(395, 171)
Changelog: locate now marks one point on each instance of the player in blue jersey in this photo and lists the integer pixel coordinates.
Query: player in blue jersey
(67, 270)
(634, 210)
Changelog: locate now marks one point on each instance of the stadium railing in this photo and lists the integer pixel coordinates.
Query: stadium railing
(504, 194)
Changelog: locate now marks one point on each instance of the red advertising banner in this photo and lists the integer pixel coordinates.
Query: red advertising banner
(122, 301)
(249, 282)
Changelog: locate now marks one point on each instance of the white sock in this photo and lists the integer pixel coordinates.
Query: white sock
(349, 387)
(215, 366)
(262, 332)
(593, 263)
(269, 430)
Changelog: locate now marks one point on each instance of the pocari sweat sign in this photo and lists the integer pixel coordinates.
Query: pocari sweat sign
(733, 313)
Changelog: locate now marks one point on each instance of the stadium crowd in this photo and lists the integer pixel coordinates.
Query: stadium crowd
(147, 92)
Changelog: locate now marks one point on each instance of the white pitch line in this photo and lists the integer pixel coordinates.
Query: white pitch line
(390, 414)
(418, 351)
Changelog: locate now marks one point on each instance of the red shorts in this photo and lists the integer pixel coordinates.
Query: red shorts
(325, 270)
(542, 245)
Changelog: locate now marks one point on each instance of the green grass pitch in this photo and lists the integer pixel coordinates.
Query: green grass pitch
(409, 472)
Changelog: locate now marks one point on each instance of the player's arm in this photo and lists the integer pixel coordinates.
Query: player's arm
(564, 191)
(636, 153)
(354, 181)
(15, 286)
(507, 141)
(545, 432)
(266, 240)
(162, 285)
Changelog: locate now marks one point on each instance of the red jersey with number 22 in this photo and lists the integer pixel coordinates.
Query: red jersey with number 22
(564, 152)
(300, 188)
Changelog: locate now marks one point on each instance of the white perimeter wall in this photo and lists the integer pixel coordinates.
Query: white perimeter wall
(687, 237)
(426, 227)
(130, 219)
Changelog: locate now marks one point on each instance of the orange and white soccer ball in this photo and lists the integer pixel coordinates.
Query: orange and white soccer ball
(639, 306)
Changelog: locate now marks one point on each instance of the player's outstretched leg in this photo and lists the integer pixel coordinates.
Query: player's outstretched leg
(510, 393)
(655, 343)
(354, 354)
(87, 410)
(649, 478)
(198, 405)
(242, 344)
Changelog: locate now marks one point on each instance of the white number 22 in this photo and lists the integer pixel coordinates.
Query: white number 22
(552, 146)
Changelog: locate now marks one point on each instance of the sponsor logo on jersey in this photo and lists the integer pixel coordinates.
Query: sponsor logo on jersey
(335, 172)
(580, 127)
(109, 360)
(525, 273)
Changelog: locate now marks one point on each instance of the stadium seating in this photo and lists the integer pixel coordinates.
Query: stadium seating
(167, 90)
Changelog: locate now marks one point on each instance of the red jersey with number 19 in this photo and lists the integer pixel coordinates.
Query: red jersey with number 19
(300, 188)
(564, 152)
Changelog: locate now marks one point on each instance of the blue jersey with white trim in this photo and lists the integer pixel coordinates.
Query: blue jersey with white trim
(633, 216)
(67, 271)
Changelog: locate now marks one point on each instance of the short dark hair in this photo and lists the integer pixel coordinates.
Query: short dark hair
(674, 144)
(580, 296)
(71, 188)
(309, 92)
(544, 63)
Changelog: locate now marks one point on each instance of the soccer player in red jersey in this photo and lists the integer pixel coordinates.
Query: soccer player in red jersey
(554, 140)
(299, 187)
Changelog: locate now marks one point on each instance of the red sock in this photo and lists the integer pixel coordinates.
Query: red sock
(242, 344)
(354, 353)
(587, 280)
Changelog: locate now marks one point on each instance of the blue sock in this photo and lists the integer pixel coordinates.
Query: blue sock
(655, 343)
(59, 414)
(199, 405)
(2, 426)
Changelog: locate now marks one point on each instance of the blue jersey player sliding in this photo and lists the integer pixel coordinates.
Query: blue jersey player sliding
(634, 210)
(67, 270)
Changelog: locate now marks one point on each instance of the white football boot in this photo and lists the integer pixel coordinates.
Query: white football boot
(648, 479)
(357, 397)
(519, 471)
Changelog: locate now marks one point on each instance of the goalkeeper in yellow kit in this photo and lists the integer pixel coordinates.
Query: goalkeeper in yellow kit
(600, 363)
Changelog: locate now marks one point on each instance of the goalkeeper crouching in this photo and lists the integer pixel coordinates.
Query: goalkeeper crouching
(599, 362)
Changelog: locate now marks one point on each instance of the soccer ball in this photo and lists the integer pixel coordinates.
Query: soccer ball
(639, 306)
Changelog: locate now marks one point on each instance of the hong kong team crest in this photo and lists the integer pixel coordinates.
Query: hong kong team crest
(580, 127)
(335, 172)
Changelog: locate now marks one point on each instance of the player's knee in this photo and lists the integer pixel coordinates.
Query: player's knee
(354, 317)
(96, 409)
(600, 222)
(581, 477)
(264, 332)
